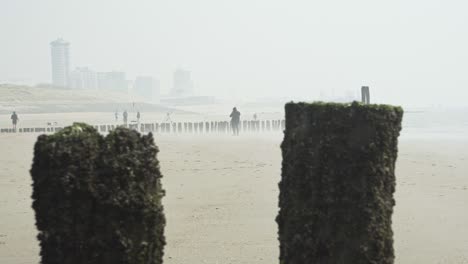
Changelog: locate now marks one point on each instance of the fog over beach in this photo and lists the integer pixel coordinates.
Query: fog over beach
(244, 179)
(222, 193)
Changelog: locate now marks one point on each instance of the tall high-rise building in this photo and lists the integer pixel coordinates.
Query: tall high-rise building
(182, 83)
(60, 51)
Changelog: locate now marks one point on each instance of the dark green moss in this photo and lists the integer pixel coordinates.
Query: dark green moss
(98, 200)
(63, 167)
(337, 185)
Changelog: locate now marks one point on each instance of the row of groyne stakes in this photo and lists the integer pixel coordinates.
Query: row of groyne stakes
(98, 198)
(174, 127)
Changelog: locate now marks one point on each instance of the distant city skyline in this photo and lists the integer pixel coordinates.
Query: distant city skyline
(85, 78)
(408, 52)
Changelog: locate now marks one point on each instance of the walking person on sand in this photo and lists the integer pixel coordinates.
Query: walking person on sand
(138, 120)
(14, 120)
(125, 116)
(116, 115)
(235, 120)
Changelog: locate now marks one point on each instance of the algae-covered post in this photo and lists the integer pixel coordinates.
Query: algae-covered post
(129, 223)
(96, 199)
(337, 183)
(63, 166)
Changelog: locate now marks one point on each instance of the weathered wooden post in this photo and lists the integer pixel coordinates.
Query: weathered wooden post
(98, 200)
(200, 125)
(337, 184)
(168, 127)
(195, 127)
(129, 227)
(179, 127)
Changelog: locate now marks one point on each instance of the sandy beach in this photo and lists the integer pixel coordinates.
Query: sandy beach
(222, 196)
(369, 97)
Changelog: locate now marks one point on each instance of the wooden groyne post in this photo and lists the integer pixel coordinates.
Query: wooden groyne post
(97, 199)
(337, 183)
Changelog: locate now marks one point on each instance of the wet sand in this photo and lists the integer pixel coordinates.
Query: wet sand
(222, 200)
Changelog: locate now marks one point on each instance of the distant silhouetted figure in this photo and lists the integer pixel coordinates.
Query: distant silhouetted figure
(14, 120)
(255, 116)
(235, 120)
(116, 116)
(168, 118)
(365, 94)
(125, 116)
(138, 117)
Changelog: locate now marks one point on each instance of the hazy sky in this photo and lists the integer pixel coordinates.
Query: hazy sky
(253, 48)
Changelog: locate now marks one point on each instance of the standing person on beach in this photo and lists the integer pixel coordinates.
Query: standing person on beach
(168, 117)
(125, 116)
(14, 120)
(138, 116)
(116, 115)
(235, 120)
